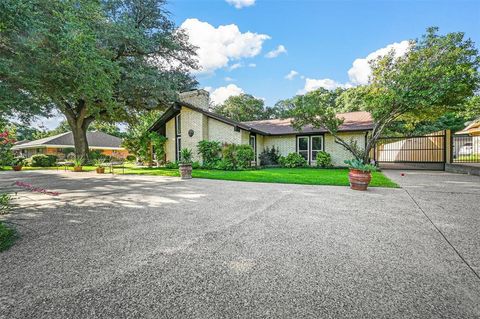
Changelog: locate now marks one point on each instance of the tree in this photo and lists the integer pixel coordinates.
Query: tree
(243, 107)
(437, 75)
(138, 139)
(92, 60)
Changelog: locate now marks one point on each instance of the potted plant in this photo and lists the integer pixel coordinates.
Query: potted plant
(99, 168)
(360, 174)
(77, 164)
(17, 163)
(185, 166)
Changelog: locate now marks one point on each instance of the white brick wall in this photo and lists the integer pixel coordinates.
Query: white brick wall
(337, 151)
(285, 144)
(170, 143)
(224, 133)
(192, 120)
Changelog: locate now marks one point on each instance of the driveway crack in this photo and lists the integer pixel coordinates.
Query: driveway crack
(443, 235)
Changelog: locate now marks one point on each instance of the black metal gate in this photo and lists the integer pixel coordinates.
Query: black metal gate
(412, 152)
(465, 149)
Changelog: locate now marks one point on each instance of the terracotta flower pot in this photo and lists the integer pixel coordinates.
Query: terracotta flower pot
(17, 168)
(100, 170)
(359, 180)
(185, 171)
(77, 168)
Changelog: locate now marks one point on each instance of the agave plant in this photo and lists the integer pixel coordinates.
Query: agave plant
(359, 165)
(78, 161)
(99, 162)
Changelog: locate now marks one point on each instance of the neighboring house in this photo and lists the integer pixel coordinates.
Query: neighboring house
(469, 139)
(189, 121)
(61, 144)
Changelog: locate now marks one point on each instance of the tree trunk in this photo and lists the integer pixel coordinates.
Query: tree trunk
(79, 122)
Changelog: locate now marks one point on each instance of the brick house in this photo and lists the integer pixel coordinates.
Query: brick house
(61, 144)
(189, 121)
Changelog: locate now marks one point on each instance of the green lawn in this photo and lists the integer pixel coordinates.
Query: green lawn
(309, 176)
(7, 236)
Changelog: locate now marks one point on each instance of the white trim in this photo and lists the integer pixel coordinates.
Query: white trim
(308, 146)
(311, 147)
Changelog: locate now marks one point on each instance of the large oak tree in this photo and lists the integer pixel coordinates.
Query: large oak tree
(91, 60)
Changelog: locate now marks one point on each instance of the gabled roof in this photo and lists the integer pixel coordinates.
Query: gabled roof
(95, 139)
(472, 129)
(352, 121)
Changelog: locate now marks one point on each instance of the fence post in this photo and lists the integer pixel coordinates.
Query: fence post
(448, 146)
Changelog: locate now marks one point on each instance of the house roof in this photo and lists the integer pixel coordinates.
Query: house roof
(472, 129)
(95, 140)
(352, 121)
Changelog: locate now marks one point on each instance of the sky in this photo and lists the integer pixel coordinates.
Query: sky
(274, 49)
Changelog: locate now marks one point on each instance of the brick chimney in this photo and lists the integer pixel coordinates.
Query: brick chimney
(197, 98)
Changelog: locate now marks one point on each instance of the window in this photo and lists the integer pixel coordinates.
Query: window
(302, 146)
(178, 124)
(179, 147)
(317, 145)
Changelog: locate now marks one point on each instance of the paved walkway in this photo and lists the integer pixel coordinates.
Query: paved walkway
(158, 247)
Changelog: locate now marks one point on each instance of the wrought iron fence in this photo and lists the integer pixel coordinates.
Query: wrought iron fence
(465, 149)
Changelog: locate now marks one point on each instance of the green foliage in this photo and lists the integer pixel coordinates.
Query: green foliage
(437, 75)
(78, 161)
(95, 154)
(293, 160)
(235, 157)
(6, 143)
(210, 152)
(158, 143)
(186, 156)
(324, 159)
(42, 160)
(171, 165)
(196, 165)
(243, 107)
(7, 236)
(269, 156)
(18, 161)
(98, 162)
(5, 203)
(104, 61)
(131, 158)
(360, 165)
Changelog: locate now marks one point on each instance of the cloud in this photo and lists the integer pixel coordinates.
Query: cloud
(241, 3)
(291, 75)
(235, 66)
(329, 84)
(221, 94)
(218, 46)
(274, 53)
(229, 79)
(359, 73)
(252, 65)
(360, 70)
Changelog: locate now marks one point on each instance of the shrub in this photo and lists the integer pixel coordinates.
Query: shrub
(5, 203)
(196, 165)
(41, 160)
(94, 155)
(245, 156)
(236, 157)
(293, 160)
(171, 165)
(210, 152)
(324, 159)
(18, 161)
(269, 156)
(7, 236)
(131, 158)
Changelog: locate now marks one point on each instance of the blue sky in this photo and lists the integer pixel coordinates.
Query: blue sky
(320, 39)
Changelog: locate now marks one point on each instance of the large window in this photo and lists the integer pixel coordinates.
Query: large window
(178, 125)
(178, 136)
(309, 146)
(303, 146)
(317, 146)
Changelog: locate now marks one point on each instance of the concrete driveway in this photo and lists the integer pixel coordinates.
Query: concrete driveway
(158, 247)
